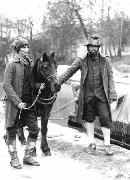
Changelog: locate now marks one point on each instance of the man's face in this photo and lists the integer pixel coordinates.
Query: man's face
(24, 51)
(93, 49)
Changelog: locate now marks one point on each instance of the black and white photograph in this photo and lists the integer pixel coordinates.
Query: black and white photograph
(64, 89)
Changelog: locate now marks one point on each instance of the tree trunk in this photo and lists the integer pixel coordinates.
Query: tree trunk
(119, 53)
(82, 23)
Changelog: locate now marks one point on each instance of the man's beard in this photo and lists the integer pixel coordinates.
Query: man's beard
(93, 53)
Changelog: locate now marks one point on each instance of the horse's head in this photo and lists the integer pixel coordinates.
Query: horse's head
(47, 70)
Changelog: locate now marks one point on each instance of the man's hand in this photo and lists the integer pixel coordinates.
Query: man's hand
(112, 100)
(113, 105)
(21, 105)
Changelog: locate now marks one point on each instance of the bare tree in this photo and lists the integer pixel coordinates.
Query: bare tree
(63, 30)
(5, 41)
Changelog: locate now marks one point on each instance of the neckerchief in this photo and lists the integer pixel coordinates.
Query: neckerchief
(24, 60)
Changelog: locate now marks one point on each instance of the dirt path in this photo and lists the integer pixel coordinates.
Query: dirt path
(70, 158)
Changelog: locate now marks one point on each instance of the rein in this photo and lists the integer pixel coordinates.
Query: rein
(48, 78)
(42, 86)
(52, 99)
(40, 99)
(55, 74)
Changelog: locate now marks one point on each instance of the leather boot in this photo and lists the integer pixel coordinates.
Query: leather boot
(13, 154)
(30, 154)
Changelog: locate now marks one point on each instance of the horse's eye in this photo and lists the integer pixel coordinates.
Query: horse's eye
(45, 65)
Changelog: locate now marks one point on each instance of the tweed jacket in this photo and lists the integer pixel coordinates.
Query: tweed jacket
(12, 85)
(107, 77)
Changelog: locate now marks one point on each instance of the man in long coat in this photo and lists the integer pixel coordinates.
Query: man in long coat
(96, 91)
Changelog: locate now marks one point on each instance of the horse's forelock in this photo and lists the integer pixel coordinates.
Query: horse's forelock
(44, 57)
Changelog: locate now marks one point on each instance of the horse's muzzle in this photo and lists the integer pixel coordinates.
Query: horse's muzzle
(57, 87)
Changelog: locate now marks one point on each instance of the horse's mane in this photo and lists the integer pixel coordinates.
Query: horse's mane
(35, 65)
(34, 71)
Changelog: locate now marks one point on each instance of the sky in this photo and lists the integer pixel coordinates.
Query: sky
(123, 5)
(23, 8)
(37, 8)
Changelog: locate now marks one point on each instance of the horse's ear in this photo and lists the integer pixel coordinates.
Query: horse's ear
(43, 56)
(52, 55)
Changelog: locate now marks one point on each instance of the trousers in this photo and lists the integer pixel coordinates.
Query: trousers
(27, 118)
(95, 107)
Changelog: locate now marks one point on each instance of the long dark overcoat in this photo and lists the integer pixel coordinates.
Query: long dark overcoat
(107, 77)
(12, 85)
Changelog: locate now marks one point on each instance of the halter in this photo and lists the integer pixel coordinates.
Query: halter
(48, 101)
(51, 99)
(40, 100)
(53, 75)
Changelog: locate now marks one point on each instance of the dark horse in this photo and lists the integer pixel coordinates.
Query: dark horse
(44, 71)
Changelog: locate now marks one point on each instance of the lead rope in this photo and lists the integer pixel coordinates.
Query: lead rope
(42, 86)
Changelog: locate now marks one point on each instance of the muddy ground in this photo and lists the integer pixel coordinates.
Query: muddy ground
(70, 158)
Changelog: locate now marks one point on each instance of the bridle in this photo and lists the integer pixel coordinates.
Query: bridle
(51, 99)
(44, 101)
(40, 99)
(48, 77)
(53, 75)
(48, 100)
(42, 86)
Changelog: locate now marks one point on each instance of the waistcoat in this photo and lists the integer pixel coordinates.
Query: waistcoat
(93, 82)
